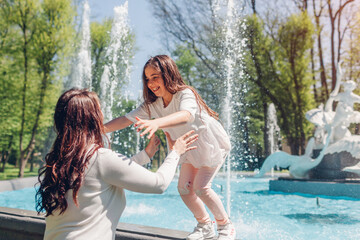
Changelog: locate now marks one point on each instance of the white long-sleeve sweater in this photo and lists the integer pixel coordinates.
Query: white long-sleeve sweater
(101, 197)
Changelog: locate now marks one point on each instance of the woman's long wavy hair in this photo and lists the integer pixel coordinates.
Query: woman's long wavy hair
(79, 126)
(172, 80)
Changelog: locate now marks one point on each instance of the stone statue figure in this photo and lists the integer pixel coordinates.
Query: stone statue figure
(332, 138)
(353, 169)
(344, 112)
(299, 166)
(319, 117)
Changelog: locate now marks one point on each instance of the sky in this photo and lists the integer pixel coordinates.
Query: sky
(146, 29)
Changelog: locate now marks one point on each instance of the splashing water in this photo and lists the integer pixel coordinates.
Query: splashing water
(118, 62)
(104, 97)
(273, 129)
(273, 132)
(81, 73)
(229, 62)
(232, 55)
(138, 138)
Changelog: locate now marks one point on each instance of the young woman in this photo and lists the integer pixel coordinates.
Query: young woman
(82, 184)
(171, 105)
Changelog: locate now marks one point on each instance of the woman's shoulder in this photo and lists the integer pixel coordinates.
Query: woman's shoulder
(104, 153)
(106, 157)
(104, 150)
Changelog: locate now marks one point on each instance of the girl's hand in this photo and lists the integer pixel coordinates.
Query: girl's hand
(150, 126)
(182, 144)
(153, 146)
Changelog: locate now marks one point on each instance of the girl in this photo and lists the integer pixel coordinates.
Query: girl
(82, 184)
(176, 109)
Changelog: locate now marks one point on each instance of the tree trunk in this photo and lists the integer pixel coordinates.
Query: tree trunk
(294, 150)
(5, 154)
(24, 27)
(324, 87)
(32, 162)
(3, 161)
(253, 6)
(333, 18)
(25, 154)
(299, 119)
(313, 74)
(24, 157)
(23, 109)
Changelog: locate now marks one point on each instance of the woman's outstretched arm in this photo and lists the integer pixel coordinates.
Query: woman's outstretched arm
(122, 172)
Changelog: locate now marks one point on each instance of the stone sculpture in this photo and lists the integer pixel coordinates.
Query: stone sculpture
(332, 138)
(299, 166)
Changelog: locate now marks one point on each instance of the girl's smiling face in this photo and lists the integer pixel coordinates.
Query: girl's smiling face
(155, 83)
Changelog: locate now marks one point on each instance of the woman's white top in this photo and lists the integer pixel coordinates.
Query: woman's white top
(101, 197)
(213, 144)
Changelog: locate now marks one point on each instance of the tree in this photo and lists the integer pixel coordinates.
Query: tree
(278, 66)
(8, 86)
(335, 15)
(54, 31)
(352, 61)
(295, 38)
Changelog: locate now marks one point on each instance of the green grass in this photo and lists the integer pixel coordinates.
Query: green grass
(12, 172)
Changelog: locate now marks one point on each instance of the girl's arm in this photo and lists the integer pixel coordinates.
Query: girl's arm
(151, 126)
(117, 124)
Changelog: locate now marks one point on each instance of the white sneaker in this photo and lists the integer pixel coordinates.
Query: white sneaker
(226, 232)
(202, 231)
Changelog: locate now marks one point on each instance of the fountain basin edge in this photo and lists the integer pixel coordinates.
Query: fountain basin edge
(18, 224)
(335, 187)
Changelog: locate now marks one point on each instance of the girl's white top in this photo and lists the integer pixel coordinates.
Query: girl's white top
(213, 144)
(101, 197)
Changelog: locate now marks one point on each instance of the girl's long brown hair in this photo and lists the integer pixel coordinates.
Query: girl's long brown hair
(79, 126)
(172, 80)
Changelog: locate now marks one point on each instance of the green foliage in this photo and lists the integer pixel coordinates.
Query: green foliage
(100, 39)
(35, 42)
(186, 61)
(278, 70)
(125, 141)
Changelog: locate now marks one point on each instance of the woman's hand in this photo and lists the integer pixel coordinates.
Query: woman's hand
(153, 146)
(182, 144)
(151, 126)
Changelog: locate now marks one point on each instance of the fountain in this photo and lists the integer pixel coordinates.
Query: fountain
(331, 159)
(81, 70)
(273, 129)
(111, 77)
(232, 52)
(273, 132)
(229, 63)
